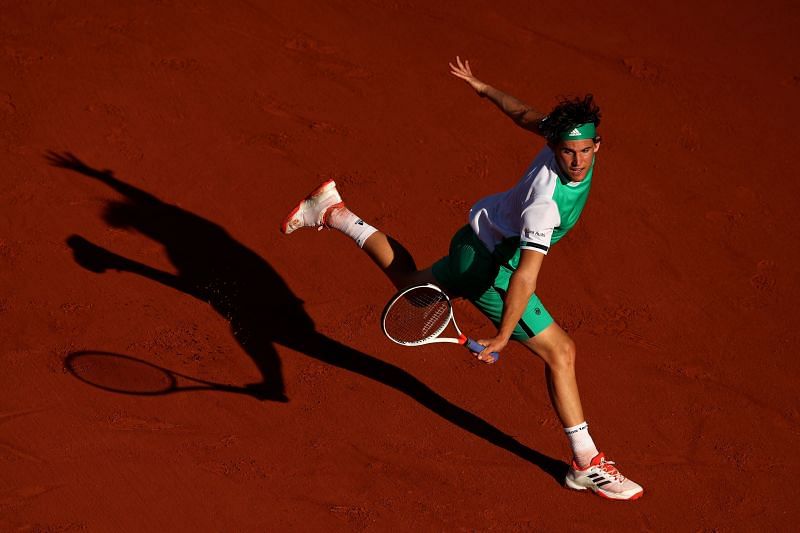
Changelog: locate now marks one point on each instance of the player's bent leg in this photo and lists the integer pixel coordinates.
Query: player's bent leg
(395, 261)
(324, 208)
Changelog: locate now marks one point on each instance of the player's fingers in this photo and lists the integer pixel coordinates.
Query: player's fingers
(454, 69)
(485, 356)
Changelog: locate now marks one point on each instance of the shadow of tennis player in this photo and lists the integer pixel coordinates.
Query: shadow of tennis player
(261, 309)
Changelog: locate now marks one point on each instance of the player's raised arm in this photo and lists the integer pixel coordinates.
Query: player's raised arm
(522, 114)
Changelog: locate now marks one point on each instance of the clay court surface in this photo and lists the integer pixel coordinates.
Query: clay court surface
(153, 253)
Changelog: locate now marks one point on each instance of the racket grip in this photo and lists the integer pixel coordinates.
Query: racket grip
(477, 348)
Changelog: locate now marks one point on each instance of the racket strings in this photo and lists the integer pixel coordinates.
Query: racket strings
(417, 315)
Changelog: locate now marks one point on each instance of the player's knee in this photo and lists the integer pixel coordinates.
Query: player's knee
(562, 357)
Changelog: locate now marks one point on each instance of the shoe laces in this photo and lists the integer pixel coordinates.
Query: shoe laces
(609, 468)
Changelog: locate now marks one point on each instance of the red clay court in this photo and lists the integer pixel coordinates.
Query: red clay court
(152, 312)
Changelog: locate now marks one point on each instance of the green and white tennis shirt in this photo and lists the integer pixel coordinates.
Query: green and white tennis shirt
(539, 210)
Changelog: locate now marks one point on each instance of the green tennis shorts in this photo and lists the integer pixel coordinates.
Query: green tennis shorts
(471, 271)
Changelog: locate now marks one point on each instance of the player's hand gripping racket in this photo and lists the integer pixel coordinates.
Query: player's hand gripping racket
(419, 315)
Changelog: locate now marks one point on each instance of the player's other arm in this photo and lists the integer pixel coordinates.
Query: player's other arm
(520, 289)
(522, 114)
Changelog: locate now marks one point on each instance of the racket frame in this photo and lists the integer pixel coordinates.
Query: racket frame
(434, 338)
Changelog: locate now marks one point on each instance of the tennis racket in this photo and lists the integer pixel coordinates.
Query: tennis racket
(419, 315)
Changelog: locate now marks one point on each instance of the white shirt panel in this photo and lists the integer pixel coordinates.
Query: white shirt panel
(527, 210)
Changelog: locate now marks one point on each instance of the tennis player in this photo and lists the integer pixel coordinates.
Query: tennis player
(494, 260)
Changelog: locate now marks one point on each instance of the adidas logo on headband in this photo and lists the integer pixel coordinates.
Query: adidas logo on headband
(579, 132)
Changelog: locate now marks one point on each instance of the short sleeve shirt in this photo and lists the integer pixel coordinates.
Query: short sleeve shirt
(539, 210)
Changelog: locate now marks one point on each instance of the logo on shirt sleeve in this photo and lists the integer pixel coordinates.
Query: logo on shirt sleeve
(531, 233)
(536, 239)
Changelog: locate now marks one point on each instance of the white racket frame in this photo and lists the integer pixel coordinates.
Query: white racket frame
(470, 344)
(434, 337)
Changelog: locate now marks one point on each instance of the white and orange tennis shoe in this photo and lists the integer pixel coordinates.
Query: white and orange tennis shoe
(604, 479)
(313, 210)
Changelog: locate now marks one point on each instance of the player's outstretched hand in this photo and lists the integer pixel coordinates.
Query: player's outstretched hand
(462, 70)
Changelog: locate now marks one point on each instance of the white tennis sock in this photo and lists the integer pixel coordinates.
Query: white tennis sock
(348, 223)
(583, 448)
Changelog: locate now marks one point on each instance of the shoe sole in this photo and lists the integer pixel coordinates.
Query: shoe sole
(319, 190)
(607, 495)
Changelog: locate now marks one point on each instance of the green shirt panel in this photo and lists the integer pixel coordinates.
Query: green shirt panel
(570, 201)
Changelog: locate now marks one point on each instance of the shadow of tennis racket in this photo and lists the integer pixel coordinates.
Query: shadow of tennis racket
(124, 374)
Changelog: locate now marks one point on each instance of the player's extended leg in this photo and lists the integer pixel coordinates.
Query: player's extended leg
(324, 208)
(557, 350)
(590, 469)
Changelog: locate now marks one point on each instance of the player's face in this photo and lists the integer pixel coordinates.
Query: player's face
(575, 157)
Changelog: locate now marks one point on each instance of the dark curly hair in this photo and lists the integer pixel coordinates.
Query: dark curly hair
(568, 114)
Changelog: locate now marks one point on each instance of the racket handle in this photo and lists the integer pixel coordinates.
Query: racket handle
(477, 348)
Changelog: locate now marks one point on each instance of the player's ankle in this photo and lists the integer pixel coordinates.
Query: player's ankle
(340, 218)
(336, 216)
(583, 447)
